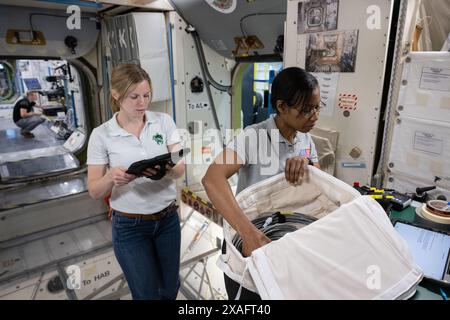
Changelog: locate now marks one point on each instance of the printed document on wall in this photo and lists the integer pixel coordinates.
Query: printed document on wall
(328, 86)
(421, 148)
(425, 89)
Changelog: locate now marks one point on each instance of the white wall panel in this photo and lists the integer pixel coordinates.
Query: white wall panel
(186, 67)
(420, 145)
(359, 128)
(420, 148)
(425, 90)
(153, 51)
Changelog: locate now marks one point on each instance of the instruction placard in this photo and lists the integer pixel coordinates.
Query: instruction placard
(328, 85)
(435, 79)
(428, 142)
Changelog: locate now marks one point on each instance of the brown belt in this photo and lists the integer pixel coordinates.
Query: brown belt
(153, 216)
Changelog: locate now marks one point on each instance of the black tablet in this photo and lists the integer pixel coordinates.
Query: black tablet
(429, 247)
(170, 158)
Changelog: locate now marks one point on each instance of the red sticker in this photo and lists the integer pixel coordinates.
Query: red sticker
(347, 101)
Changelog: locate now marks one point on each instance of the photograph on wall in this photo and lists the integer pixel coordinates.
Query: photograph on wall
(332, 51)
(317, 16)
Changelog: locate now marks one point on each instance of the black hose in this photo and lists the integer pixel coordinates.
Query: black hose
(276, 225)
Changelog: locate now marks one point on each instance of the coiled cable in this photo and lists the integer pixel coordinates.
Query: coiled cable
(276, 225)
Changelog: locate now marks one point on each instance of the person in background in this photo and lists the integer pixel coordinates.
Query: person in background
(145, 224)
(296, 99)
(23, 114)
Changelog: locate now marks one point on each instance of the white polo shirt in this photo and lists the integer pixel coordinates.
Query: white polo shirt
(264, 151)
(110, 144)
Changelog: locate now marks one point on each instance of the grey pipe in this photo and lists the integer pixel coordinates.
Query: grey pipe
(202, 60)
(204, 71)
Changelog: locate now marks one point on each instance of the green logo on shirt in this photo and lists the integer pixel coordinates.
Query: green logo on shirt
(158, 138)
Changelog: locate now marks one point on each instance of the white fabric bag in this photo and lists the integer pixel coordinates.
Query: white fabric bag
(353, 253)
(317, 196)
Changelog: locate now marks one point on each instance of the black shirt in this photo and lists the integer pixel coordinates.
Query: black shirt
(22, 104)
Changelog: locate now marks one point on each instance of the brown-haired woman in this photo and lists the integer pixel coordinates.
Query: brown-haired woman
(145, 225)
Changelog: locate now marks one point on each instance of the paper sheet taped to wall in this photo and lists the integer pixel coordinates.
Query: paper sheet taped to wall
(435, 79)
(428, 142)
(425, 90)
(328, 85)
(421, 148)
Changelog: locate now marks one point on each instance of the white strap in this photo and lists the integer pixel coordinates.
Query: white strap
(238, 295)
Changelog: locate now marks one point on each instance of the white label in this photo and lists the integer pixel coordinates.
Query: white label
(198, 106)
(428, 142)
(361, 165)
(435, 79)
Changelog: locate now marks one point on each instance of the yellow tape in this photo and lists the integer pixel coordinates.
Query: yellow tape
(380, 196)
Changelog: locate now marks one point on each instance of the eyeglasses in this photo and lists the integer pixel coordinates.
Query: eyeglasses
(308, 111)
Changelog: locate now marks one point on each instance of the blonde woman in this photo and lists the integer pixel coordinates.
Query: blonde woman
(145, 225)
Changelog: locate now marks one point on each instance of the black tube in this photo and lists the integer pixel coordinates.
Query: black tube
(277, 226)
(202, 60)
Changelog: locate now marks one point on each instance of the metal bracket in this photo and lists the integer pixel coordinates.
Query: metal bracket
(245, 44)
(19, 36)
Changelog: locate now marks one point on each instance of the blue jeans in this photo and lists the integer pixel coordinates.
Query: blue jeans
(149, 254)
(28, 124)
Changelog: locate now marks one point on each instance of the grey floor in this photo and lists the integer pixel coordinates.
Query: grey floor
(23, 158)
(200, 276)
(27, 269)
(12, 141)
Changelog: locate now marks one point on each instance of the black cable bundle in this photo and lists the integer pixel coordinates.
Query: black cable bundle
(276, 225)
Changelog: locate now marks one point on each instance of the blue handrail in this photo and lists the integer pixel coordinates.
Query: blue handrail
(172, 82)
(88, 4)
